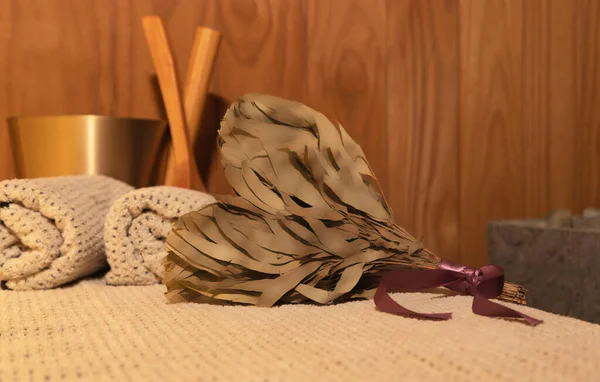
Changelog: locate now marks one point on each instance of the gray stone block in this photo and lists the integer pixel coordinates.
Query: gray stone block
(560, 266)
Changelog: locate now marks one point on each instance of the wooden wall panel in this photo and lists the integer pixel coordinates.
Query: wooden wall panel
(6, 165)
(263, 50)
(468, 110)
(135, 86)
(587, 95)
(88, 56)
(423, 121)
(549, 107)
(347, 72)
(38, 35)
(491, 134)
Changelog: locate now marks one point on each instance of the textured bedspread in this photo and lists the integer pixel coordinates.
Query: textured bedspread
(91, 331)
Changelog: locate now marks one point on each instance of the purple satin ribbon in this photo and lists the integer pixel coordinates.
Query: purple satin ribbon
(483, 284)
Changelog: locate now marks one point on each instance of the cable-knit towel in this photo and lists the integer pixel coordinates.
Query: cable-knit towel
(136, 227)
(51, 229)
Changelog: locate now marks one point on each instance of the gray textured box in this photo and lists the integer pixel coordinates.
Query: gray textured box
(560, 266)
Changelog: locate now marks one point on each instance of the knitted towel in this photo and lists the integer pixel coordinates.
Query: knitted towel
(51, 229)
(136, 227)
(92, 332)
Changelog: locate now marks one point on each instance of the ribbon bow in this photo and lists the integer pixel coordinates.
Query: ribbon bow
(483, 284)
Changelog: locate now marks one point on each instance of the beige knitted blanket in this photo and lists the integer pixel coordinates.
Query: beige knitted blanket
(51, 229)
(95, 332)
(136, 227)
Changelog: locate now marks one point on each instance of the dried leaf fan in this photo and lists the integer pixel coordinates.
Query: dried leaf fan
(310, 223)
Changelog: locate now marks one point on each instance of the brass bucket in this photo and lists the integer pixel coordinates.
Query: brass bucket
(127, 149)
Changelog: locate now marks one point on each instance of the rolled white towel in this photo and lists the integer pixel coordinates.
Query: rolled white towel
(51, 229)
(136, 228)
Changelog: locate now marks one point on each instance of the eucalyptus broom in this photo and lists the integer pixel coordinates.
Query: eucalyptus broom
(309, 222)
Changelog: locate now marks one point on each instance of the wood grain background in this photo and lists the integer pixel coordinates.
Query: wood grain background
(468, 110)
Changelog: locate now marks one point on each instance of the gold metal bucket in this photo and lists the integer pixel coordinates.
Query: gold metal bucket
(127, 149)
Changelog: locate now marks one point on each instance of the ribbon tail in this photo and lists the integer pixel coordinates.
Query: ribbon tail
(386, 304)
(485, 307)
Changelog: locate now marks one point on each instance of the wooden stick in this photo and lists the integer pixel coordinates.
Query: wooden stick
(186, 172)
(199, 71)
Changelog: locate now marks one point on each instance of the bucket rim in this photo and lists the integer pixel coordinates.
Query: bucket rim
(98, 117)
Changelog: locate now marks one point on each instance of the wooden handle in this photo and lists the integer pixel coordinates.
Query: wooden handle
(186, 172)
(199, 71)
